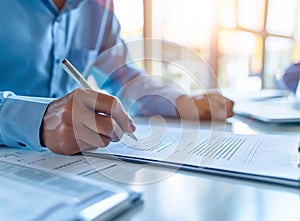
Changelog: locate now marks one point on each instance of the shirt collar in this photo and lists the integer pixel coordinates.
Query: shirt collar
(69, 5)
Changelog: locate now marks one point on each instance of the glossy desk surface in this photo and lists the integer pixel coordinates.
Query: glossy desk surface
(188, 196)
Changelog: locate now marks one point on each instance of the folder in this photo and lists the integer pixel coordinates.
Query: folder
(33, 193)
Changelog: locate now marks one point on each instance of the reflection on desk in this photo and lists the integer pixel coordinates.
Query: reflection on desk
(192, 196)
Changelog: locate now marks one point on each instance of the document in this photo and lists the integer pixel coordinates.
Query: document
(261, 157)
(77, 164)
(33, 193)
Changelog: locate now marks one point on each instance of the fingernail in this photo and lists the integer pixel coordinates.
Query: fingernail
(132, 126)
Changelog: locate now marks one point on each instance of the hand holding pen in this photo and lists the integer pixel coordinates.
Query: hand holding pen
(71, 70)
(83, 119)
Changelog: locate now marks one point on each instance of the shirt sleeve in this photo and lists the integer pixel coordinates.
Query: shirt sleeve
(141, 95)
(21, 118)
(290, 78)
(115, 71)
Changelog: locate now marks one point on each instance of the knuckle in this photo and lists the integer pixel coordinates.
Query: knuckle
(63, 129)
(79, 91)
(114, 99)
(80, 94)
(115, 103)
(65, 114)
(75, 93)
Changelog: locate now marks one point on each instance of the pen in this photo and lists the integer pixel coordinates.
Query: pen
(74, 73)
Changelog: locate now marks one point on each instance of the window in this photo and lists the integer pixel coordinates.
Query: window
(247, 43)
(131, 17)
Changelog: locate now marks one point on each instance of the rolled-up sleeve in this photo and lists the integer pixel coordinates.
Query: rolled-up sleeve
(20, 120)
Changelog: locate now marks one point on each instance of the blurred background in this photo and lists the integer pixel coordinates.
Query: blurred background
(247, 43)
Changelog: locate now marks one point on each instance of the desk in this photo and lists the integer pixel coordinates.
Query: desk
(186, 196)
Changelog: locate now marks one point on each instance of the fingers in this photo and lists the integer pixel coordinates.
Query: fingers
(194, 108)
(212, 106)
(69, 140)
(229, 107)
(88, 139)
(111, 106)
(220, 106)
(103, 125)
(102, 114)
(83, 119)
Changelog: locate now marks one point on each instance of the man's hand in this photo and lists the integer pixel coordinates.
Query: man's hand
(211, 106)
(84, 119)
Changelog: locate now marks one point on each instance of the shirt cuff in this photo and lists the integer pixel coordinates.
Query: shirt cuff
(21, 119)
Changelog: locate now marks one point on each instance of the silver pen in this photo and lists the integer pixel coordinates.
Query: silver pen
(74, 73)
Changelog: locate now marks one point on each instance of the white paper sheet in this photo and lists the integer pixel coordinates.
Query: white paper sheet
(79, 165)
(264, 155)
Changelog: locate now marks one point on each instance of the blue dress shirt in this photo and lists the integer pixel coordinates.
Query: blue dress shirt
(35, 36)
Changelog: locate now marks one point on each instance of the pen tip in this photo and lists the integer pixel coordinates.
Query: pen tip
(132, 136)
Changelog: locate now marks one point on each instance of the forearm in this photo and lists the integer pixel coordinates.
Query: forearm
(21, 119)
